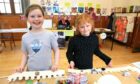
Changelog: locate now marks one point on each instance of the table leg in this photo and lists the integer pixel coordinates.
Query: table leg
(112, 42)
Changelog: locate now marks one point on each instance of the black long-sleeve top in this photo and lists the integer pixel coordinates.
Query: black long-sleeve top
(81, 50)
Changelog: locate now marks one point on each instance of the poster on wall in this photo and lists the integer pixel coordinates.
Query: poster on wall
(86, 9)
(104, 11)
(69, 7)
(67, 11)
(68, 4)
(98, 5)
(49, 10)
(42, 2)
(90, 4)
(124, 10)
(74, 10)
(80, 9)
(81, 4)
(118, 9)
(55, 9)
(98, 10)
(48, 3)
(137, 9)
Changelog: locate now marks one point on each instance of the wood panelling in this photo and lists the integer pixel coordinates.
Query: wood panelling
(13, 20)
(136, 36)
(101, 22)
(16, 22)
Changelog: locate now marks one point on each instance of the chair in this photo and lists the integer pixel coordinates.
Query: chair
(6, 36)
(1, 48)
(60, 39)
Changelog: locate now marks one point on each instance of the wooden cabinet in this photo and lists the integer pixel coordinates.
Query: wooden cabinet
(136, 36)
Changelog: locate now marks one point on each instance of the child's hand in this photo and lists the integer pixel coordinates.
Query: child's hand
(71, 65)
(54, 67)
(110, 64)
(19, 69)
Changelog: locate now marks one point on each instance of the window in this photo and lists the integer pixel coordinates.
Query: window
(18, 6)
(5, 6)
(11, 7)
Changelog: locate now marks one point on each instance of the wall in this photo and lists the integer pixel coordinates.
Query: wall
(125, 3)
(15, 22)
(104, 3)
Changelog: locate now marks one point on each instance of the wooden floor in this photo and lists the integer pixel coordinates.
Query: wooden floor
(121, 55)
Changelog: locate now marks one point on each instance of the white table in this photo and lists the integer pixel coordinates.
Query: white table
(23, 30)
(15, 30)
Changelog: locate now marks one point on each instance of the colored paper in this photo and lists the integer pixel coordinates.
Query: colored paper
(67, 4)
(104, 11)
(90, 4)
(69, 33)
(56, 9)
(98, 11)
(98, 6)
(81, 4)
(74, 9)
(80, 9)
(49, 9)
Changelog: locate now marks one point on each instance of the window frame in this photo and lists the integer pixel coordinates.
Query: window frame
(13, 11)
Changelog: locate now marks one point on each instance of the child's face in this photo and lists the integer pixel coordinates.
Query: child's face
(85, 29)
(36, 18)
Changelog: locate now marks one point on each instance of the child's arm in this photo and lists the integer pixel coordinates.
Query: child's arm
(55, 49)
(101, 55)
(56, 59)
(69, 53)
(57, 55)
(104, 57)
(23, 63)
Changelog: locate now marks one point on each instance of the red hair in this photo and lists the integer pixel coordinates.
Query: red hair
(82, 19)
